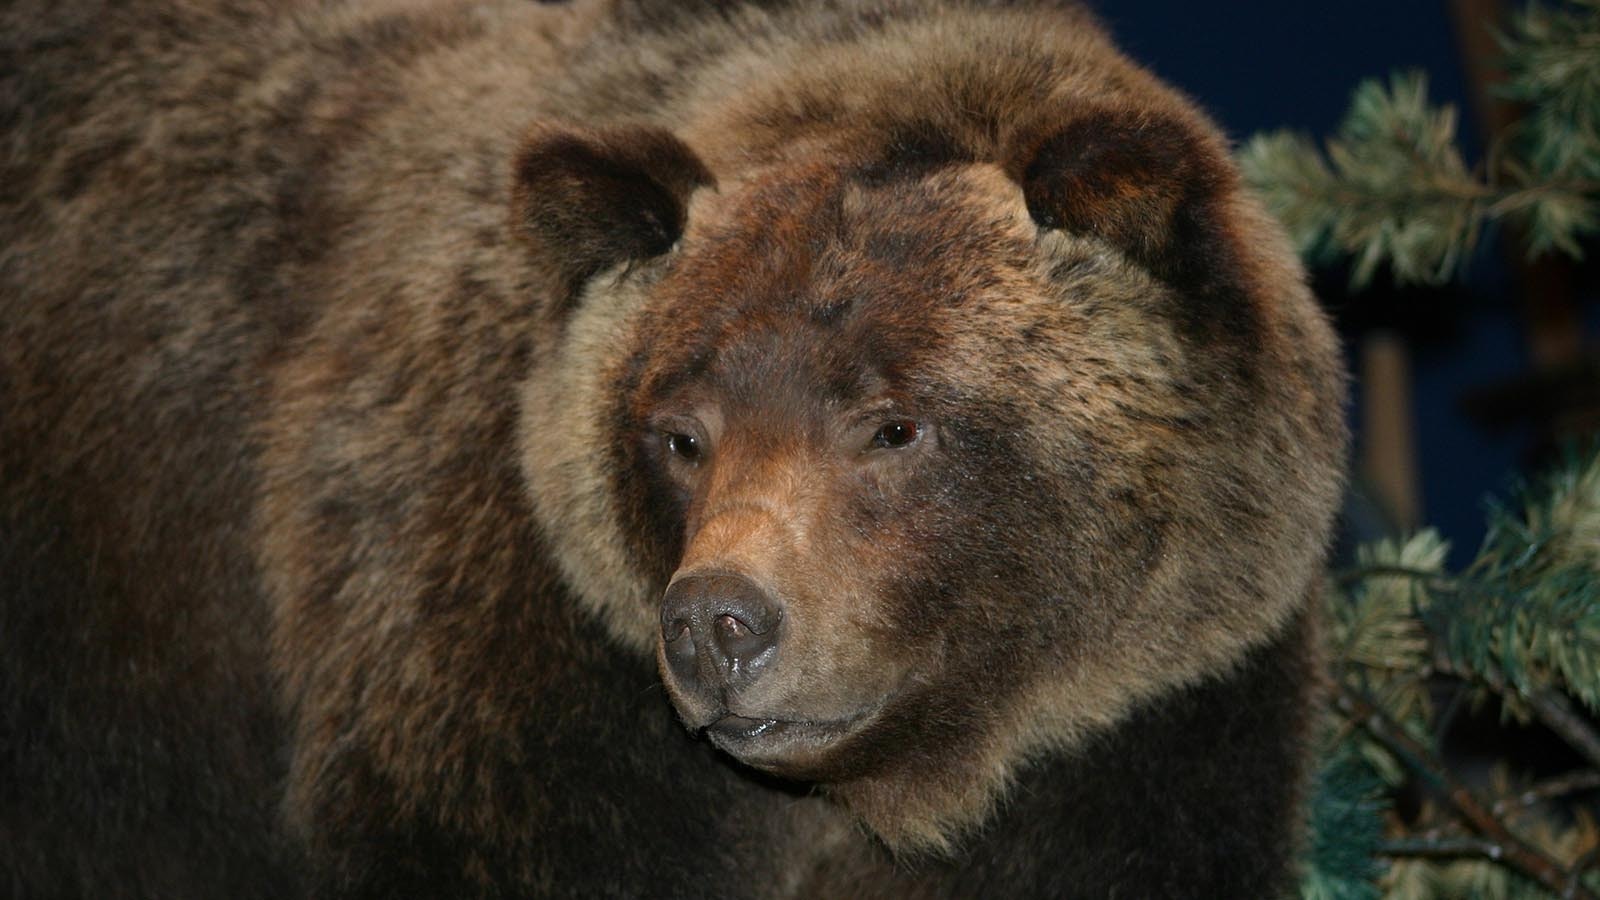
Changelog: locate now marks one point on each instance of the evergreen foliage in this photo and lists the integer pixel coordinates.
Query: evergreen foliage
(1530, 614)
(1393, 186)
(1346, 831)
(1519, 627)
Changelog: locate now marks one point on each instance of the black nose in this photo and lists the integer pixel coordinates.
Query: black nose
(718, 628)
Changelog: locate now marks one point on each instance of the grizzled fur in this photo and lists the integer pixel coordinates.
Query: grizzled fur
(339, 344)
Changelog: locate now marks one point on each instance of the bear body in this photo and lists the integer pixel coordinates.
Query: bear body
(643, 449)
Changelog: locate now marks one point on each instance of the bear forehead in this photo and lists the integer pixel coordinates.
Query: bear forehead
(850, 279)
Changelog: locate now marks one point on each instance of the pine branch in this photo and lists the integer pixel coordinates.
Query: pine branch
(1525, 618)
(1392, 187)
(1504, 846)
(1378, 637)
(1442, 848)
(1345, 829)
(1522, 623)
(1551, 708)
(1358, 574)
(1553, 66)
(1550, 789)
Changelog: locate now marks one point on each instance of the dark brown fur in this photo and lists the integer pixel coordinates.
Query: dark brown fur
(336, 346)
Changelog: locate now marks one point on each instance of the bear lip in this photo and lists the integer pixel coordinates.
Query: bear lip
(777, 745)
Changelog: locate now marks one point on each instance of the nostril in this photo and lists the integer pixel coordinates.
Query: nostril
(675, 629)
(741, 644)
(748, 622)
(678, 642)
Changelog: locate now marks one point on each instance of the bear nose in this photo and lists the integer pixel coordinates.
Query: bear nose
(718, 627)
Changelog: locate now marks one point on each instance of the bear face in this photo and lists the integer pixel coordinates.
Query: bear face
(902, 455)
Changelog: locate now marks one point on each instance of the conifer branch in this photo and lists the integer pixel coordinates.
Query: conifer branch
(1550, 789)
(1358, 574)
(1558, 714)
(1442, 848)
(1502, 845)
(1551, 708)
(1392, 185)
(1521, 623)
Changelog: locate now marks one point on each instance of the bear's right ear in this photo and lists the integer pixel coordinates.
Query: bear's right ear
(586, 200)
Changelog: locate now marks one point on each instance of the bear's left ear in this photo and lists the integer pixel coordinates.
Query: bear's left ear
(1145, 183)
(588, 199)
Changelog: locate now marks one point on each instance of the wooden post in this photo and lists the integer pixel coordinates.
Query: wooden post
(1388, 441)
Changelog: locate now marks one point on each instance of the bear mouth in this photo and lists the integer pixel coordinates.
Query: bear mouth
(779, 746)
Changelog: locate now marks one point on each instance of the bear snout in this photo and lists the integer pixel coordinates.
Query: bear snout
(719, 630)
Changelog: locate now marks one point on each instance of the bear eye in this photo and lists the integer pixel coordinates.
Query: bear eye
(684, 446)
(899, 433)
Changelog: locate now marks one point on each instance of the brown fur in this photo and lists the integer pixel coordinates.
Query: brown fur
(336, 347)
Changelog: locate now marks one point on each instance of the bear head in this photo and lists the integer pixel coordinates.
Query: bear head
(916, 449)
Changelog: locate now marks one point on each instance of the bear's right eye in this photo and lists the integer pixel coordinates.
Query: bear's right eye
(896, 434)
(684, 446)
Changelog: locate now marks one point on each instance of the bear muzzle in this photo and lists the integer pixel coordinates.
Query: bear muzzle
(722, 635)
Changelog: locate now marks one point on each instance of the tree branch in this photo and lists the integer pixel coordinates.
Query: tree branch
(1556, 712)
(1551, 707)
(1448, 848)
(1514, 852)
(1549, 789)
(1357, 574)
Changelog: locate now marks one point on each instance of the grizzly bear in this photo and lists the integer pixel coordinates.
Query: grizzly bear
(643, 448)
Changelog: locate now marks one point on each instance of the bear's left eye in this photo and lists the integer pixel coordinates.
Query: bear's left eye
(684, 446)
(899, 433)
